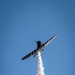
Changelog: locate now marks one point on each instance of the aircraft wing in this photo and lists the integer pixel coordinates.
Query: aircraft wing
(30, 54)
(47, 42)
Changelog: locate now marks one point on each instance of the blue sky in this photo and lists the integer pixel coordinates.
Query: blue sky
(23, 22)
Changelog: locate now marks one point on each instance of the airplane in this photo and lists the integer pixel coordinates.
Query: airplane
(40, 47)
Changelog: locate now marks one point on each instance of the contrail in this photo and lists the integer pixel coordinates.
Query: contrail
(40, 68)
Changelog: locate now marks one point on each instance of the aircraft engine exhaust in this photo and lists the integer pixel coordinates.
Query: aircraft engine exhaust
(40, 68)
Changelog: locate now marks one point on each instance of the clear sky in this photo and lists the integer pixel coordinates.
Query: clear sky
(24, 21)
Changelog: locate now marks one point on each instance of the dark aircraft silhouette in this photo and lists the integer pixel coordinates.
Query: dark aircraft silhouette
(40, 47)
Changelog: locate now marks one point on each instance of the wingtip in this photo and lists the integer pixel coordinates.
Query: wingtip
(22, 59)
(55, 35)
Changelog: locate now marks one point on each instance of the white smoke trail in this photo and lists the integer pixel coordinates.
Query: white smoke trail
(40, 65)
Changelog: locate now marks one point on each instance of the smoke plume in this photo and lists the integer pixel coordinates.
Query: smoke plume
(40, 67)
